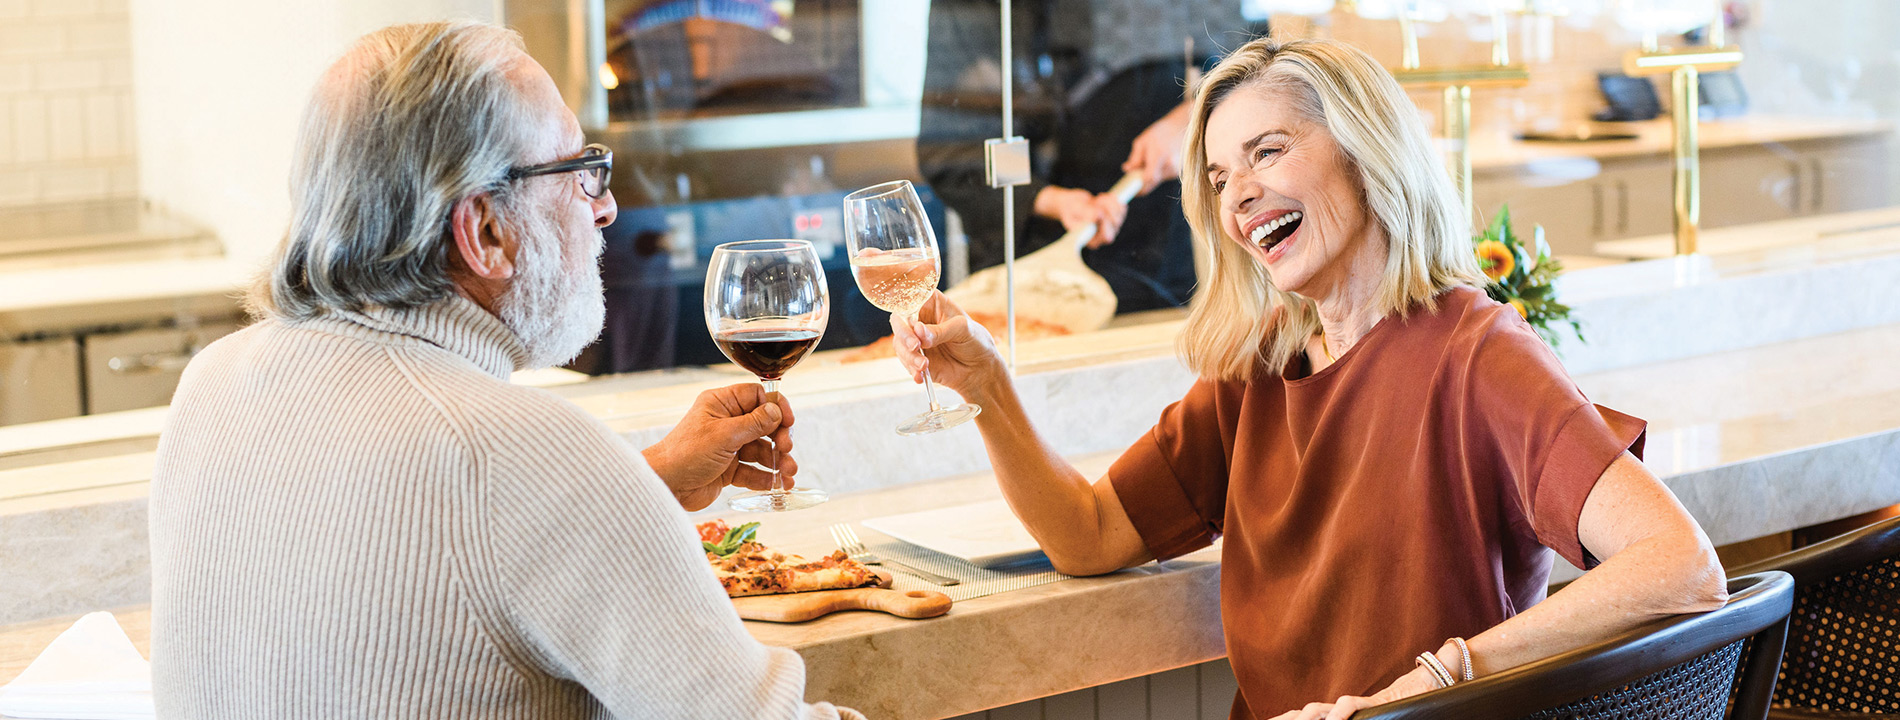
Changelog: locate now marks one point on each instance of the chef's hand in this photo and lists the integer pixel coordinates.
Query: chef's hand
(1110, 213)
(960, 353)
(1412, 683)
(1156, 152)
(703, 453)
(1077, 209)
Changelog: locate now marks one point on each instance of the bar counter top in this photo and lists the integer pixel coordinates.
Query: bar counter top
(987, 652)
(1753, 441)
(1654, 137)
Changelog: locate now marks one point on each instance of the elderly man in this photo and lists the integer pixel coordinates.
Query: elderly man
(354, 514)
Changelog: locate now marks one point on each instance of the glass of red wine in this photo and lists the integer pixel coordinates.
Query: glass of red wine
(766, 306)
(894, 259)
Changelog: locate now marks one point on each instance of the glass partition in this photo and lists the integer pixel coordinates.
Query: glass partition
(748, 119)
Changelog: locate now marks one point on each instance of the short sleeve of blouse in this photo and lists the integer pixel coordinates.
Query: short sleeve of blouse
(1173, 481)
(1549, 440)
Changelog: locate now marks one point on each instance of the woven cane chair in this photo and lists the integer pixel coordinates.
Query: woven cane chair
(1717, 665)
(1843, 657)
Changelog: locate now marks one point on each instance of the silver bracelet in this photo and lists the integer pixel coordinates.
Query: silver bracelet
(1465, 652)
(1440, 675)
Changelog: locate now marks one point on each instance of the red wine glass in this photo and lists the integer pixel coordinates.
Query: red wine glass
(766, 306)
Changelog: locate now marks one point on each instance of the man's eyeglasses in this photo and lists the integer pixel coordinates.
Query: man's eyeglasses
(596, 164)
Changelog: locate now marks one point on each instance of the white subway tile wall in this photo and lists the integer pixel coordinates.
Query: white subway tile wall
(1196, 692)
(66, 127)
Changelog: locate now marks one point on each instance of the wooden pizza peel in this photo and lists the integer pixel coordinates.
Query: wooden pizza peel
(1053, 285)
(799, 607)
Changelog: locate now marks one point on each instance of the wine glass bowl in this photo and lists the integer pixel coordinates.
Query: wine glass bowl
(766, 306)
(894, 260)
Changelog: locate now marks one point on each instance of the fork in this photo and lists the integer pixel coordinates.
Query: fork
(847, 540)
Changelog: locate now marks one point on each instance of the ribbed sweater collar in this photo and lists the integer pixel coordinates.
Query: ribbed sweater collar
(456, 324)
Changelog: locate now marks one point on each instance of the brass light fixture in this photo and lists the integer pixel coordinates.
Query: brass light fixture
(1456, 83)
(1685, 67)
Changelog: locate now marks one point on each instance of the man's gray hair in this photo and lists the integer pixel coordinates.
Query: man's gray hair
(412, 119)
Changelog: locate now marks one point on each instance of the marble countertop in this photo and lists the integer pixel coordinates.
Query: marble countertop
(1498, 153)
(1803, 405)
(1838, 236)
(630, 402)
(1032, 643)
(80, 295)
(1753, 441)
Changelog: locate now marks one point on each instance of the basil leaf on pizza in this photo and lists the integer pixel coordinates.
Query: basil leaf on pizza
(745, 566)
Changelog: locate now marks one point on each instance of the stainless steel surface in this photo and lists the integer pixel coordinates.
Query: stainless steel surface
(39, 380)
(591, 16)
(131, 370)
(570, 40)
(1006, 161)
(847, 540)
(830, 126)
(60, 235)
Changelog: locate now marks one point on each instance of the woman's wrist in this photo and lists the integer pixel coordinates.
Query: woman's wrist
(1455, 661)
(991, 385)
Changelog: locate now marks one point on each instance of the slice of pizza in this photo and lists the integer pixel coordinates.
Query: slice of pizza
(746, 567)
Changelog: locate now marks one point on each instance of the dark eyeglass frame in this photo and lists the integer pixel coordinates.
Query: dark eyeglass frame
(596, 159)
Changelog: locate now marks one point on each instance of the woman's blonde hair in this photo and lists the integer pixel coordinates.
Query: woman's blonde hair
(1240, 323)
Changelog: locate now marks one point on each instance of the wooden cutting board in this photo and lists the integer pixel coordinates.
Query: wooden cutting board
(799, 607)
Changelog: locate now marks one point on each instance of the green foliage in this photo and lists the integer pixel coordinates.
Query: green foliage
(733, 539)
(1530, 280)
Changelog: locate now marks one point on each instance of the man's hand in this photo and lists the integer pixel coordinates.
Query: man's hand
(702, 455)
(1156, 152)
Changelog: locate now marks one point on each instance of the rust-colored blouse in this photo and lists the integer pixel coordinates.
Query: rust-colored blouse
(1408, 493)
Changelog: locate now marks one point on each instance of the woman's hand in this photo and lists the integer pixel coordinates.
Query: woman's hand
(960, 352)
(1418, 681)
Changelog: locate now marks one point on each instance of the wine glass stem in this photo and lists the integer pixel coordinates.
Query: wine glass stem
(771, 461)
(930, 388)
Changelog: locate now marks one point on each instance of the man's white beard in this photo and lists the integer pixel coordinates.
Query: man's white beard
(555, 310)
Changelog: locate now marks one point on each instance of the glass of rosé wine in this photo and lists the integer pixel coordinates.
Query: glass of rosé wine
(766, 307)
(894, 259)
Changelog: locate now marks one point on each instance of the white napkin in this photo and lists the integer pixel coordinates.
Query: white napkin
(90, 672)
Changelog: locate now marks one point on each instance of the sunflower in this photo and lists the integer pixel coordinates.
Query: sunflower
(1519, 306)
(1495, 260)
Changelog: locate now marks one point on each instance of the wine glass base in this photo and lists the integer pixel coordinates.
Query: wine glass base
(935, 420)
(782, 501)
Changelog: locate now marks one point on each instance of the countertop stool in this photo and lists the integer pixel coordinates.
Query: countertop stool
(1843, 657)
(1718, 665)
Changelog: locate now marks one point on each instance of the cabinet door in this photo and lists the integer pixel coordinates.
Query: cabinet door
(1754, 184)
(127, 371)
(1640, 197)
(39, 380)
(1847, 175)
(1571, 211)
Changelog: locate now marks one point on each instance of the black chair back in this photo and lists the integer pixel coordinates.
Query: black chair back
(1844, 633)
(1705, 666)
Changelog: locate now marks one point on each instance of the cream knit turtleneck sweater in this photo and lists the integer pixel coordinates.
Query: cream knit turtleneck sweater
(359, 517)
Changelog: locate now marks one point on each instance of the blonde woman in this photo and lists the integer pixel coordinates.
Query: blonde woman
(1390, 456)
